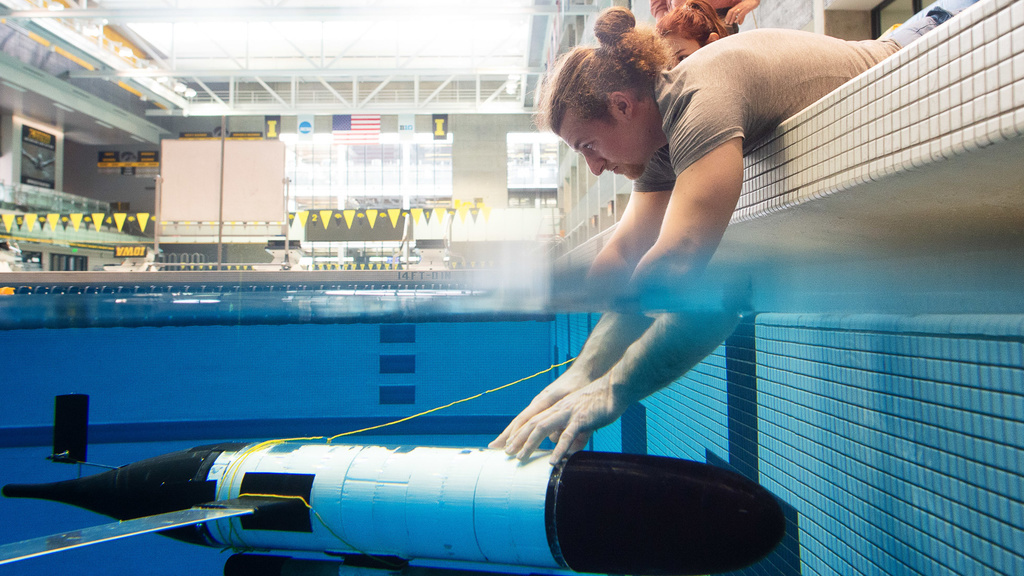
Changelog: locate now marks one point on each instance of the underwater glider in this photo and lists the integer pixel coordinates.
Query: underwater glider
(592, 512)
(384, 507)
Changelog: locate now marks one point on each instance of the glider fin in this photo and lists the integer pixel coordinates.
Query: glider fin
(113, 531)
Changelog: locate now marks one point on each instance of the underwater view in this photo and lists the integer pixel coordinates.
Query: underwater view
(487, 306)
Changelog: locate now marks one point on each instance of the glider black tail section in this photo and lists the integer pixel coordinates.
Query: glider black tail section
(167, 483)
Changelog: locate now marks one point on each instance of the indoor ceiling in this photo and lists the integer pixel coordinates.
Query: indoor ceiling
(256, 57)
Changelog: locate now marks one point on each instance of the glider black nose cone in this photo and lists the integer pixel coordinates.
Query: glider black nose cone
(629, 514)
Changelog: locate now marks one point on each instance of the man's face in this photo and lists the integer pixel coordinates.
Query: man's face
(607, 144)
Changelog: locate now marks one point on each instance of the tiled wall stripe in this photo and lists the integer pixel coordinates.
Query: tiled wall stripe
(959, 89)
(633, 430)
(741, 393)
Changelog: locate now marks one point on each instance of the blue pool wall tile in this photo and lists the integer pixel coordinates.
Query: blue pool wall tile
(397, 363)
(898, 436)
(689, 417)
(397, 333)
(633, 429)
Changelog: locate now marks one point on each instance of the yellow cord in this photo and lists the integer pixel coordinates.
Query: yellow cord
(323, 523)
(449, 405)
(265, 443)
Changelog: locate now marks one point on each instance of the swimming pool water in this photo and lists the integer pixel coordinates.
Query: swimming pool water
(895, 442)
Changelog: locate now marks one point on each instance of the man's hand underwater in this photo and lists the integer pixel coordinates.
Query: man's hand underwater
(564, 412)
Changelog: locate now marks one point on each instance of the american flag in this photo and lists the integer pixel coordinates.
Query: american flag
(356, 128)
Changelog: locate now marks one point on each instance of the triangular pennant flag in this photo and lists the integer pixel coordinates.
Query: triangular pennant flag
(462, 213)
(76, 221)
(349, 215)
(325, 217)
(53, 219)
(474, 212)
(439, 213)
(371, 215)
(416, 213)
(487, 213)
(30, 221)
(302, 216)
(97, 219)
(143, 218)
(8, 221)
(119, 220)
(64, 222)
(393, 214)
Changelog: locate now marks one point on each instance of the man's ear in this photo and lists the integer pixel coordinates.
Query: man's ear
(622, 103)
(712, 37)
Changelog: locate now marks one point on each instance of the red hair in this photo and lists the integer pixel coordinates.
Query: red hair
(695, 19)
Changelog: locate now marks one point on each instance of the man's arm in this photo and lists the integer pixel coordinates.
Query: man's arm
(738, 9)
(695, 220)
(608, 279)
(634, 234)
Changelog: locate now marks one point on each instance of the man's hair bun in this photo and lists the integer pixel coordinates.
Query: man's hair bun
(613, 24)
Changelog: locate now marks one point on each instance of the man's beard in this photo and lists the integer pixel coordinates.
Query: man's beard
(632, 171)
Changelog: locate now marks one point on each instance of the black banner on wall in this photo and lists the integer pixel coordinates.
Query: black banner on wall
(38, 156)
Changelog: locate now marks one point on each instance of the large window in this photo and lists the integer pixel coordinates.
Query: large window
(391, 174)
(892, 12)
(532, 169)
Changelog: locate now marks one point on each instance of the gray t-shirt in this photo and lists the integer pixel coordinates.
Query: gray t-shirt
(746, 85)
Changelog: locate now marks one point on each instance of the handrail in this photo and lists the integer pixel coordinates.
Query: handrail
(25, 197)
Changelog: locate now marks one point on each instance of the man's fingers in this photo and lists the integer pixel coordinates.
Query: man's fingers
(506, 438)
(502, 440)
(517, 438)
(580, 443)
(570, 442)
(565, 442)
(532, 442)
(520, 436)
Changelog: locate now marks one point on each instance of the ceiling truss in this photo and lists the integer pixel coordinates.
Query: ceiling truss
(297, 79)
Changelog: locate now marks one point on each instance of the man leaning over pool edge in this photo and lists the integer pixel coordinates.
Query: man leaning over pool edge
(679, 133)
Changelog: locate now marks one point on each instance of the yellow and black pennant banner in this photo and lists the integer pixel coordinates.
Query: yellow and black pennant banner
(138, 222)
(392, 216)
(121, 221)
